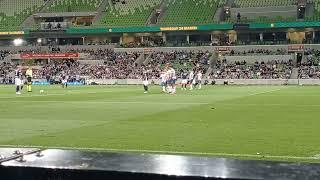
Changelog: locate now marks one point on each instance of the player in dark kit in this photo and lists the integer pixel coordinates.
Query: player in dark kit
(184, 81)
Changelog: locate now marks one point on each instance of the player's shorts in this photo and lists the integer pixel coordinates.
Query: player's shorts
(184, 81)
(18, 81)
(199, 81)
(145, 83)
(168, 82)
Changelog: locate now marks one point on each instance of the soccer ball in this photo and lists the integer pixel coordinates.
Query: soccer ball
(41, 91)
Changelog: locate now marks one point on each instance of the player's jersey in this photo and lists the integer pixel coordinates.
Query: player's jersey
(184, 76)
(18, 73)
(172, 73)
(29, 73)
(191, 75)
(199, 76)
(145, 79)
(163, 77)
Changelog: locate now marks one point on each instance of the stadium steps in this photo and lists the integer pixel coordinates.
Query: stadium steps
(219, 14)
(163, 9)
(230, 3)
(213, 59)
(101, 11)
(29, 22)
(147, 59)
(209, 71)
(140, 60)
(310, 9)
(294, 73)
(256, 12)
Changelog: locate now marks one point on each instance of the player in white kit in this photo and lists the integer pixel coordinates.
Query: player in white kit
(18, 80)
(163, 78)
(191, 80)
(199, 79)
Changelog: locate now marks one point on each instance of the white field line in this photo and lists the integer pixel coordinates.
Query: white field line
(118, 102)
(262, 104)
(167, 152)
(56, 94)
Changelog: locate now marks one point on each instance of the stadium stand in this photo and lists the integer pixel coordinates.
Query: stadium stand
(316, 14)
(309, 72)
(13, 12)
(263, 3)
(131, 13)
(74, 5)
(243, 70)
(6, 70)
(190, 12)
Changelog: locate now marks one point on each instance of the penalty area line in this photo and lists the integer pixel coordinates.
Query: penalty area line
(168, 152)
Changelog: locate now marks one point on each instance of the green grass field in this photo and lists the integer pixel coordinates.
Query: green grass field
(278, 122)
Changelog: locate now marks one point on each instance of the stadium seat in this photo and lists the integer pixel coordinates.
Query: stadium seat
(74, 5)
(263, 3)
(13, 12)
(190, 12)
(132, 13)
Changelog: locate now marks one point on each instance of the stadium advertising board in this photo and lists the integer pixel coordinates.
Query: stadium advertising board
(48, 55)
(11, 33)
(296, 47)
(222, 49)
(184, 28)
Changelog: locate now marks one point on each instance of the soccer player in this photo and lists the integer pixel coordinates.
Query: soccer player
(191, 80)
(145, 82)
(184, 81)
(172, 79)
(29, 79)
(163, 78)
(199, 79)
(18, 81)
(64, 81)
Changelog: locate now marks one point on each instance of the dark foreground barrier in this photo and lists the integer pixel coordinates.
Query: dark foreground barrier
(55, 164)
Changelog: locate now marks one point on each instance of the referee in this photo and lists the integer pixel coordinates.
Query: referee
(29, 79)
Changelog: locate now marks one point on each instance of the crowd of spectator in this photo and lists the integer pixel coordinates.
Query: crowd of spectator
(3, 54)
(309, 72)
(257, 52)
(116, 66)
(243, 70)
(7, 72)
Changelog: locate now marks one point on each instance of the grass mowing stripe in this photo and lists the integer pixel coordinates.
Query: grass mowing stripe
(165, 152)
(117, 102)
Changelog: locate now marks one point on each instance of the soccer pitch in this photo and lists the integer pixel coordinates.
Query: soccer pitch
(250, 122)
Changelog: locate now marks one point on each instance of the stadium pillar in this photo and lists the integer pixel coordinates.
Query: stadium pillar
(120, 41)
(313, 36)
(164, 37)
(188, 39)
(261, 36)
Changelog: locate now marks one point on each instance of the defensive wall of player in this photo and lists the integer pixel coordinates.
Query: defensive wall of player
(210, 81)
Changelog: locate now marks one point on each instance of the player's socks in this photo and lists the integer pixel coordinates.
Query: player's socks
(199, 86)
(174, 90)
(164, 89)
(169, 89)
(145, 89)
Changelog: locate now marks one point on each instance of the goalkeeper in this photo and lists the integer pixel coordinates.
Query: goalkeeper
(29, 79)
